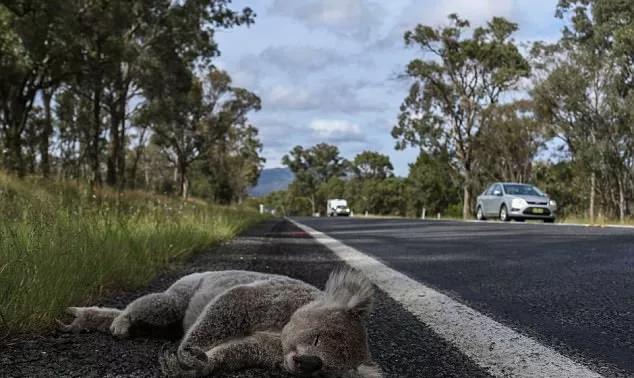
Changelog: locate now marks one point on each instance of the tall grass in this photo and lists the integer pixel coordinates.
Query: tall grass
(62, 245)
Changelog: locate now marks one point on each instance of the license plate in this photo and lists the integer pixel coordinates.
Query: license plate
(538, 211)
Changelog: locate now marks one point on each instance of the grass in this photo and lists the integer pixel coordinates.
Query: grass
(62, 245)
(598, 221)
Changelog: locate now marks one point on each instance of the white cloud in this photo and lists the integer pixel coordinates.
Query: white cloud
(297, 62)
(434, 13)
(350, 18)
(342, 97)
(336, 130)
(288, 97)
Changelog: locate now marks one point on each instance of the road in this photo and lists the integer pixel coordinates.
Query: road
(569, 288)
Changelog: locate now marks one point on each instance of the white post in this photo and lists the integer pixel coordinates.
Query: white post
(438, 216)
(366, 213)
(422, 216)
(261, 209)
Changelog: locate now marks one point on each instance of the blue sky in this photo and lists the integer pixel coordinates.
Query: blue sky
(328, 70)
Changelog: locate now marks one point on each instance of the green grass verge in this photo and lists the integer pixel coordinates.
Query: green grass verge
(60, 245)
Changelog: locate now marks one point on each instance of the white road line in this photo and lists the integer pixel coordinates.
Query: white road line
(500, 350)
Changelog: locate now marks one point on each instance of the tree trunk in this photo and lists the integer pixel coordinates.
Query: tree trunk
(47, 130)
(112, 174)
(121, 153)
(593, 179)
(14, 156)
(312, 204)
(466, 202)
(622, 198)
(95, 180)
(183, 182)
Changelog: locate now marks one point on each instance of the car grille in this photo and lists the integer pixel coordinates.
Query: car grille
(537, 203)
(531, 211)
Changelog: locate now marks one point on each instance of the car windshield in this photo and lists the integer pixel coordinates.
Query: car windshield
(341, 207)
(522, 190)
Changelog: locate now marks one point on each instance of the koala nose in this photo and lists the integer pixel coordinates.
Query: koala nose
(308, 364)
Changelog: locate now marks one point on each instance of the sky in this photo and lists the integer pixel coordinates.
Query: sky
(331, 70)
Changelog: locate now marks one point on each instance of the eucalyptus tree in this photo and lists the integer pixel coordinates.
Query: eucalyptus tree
(33, 55)
(372, 165)
(313, 167)
(585, 95)
(457, 78)
(193, 119)
(508, 143)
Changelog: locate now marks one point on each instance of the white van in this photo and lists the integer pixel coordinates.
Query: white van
(337, 207)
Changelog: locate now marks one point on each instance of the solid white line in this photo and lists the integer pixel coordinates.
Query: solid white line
(500, 350)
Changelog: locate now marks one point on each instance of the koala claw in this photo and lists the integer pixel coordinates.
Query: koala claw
(120, 326)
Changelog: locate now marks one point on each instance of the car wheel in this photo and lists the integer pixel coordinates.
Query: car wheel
(480, 214)
(504, 215)
(549, 220)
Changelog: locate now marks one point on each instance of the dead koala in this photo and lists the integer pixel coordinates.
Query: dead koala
(238, 319)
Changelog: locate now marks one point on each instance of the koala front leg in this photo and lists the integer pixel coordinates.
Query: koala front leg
(226, 317)
(262, 349)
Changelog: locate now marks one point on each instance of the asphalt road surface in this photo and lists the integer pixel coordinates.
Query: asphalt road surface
(569, 288)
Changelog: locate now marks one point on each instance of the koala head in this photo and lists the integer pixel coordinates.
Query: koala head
(327, 335)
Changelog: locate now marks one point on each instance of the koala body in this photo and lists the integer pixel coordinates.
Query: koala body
(238, 319)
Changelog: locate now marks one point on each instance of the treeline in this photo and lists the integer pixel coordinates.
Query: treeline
(571, 133)
(124, 93)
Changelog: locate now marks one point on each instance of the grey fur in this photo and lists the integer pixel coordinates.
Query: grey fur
(239, 319)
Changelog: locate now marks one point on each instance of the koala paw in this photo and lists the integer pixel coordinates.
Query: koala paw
(120, 326)
(192, 358)
(78, 321)
(171, 366)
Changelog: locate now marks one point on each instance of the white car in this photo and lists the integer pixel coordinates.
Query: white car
(510, 200)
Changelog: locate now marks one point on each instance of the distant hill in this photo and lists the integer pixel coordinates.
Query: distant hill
(272, 179)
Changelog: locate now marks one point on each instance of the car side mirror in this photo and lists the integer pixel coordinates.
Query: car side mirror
(497, 193)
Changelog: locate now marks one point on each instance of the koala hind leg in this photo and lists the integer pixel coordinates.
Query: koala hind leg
(89, 319)
(154, 310)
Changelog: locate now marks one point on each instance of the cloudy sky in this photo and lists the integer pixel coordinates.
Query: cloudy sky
(328, 70)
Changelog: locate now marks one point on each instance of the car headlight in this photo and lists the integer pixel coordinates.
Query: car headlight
(517, 203)
(552, 203)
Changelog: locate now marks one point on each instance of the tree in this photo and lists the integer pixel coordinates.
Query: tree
(233, 165)
(452, 88)
(313, 167)
(33, 53)
(507, 143)
(585, 95)
(371, 164)
(198, 122)
(432, 184)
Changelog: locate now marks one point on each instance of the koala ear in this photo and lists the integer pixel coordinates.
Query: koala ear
(351, 290)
